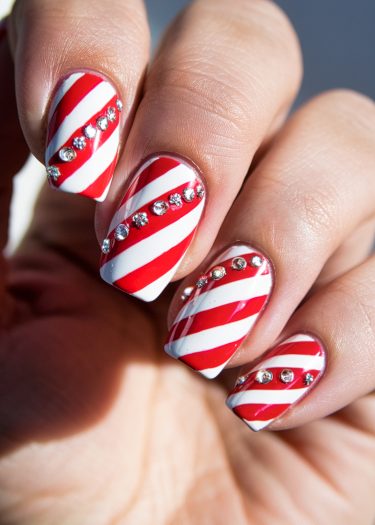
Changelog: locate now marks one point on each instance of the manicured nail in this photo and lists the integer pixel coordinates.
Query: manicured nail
(221, 310)
(279, 380)
(83, 135)
(153, 227)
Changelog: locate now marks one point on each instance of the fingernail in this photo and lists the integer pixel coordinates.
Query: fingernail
(153, 227)
(280, 379)
(83, 135)
(221, 310)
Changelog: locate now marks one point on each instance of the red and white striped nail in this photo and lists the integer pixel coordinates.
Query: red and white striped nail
(83, 135)
(221, 310)
(153, 227)
(278, 381)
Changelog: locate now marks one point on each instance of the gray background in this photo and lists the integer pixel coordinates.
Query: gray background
(337, 37)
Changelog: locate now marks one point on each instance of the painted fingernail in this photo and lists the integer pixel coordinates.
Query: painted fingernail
(279, 380)
(221, 310)
(153, 227)
(83, 135)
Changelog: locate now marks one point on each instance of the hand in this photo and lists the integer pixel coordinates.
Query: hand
(98, 426)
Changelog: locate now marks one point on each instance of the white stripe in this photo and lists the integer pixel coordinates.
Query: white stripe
(236, 291)
(234, 251)
(211, 373)
(94, 166)
(210, 338)
(258, 425)
(181, 174)
(154, 289)
(63, 89)
(308, 362)
(81, 114)
(300, 338)
(151, 247)
(266, 397)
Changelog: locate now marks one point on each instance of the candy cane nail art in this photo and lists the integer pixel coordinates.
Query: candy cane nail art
(221, 310)
(153, 227)
(83, 135)
(279, 380)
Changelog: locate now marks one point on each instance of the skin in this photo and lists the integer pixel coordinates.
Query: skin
(98, 426)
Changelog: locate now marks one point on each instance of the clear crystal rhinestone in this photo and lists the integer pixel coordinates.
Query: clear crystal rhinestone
(218, 273)
(67, 154)
(200, 192)
(264, 376)
(308, 379)
(111, 114)
(188, 194)
(106, 246)
(140, 219)
(53, 172)
(119, 104)
(102, 123)
(187, 293)
(79, 143)
(241, 380)
(239, 263)
(90, 131)
(175, 199)
(160, 207)
(202, 281)
(121, 232)
(286, 375)
(256, 261)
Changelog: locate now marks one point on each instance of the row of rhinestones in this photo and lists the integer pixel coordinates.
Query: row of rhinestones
(68, 153)
(286, 376)
(238, 264)
(159, 208)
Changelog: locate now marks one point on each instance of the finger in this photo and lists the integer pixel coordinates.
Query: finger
(296, 215)
(74, 75)
(342, 316)
(13, 150)
(212, 104)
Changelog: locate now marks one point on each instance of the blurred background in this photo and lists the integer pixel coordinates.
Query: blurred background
(338, 43)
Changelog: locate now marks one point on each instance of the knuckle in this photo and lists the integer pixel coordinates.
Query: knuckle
(346, 110)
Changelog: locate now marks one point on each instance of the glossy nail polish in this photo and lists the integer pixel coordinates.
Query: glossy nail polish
(153, 227)
(278, 381)
(221, 310)
(83, 135)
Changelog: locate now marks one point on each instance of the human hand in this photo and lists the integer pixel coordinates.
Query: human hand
(97, 425)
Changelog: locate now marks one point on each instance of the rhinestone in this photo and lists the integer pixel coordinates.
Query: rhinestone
(102, 123)
(67, 154)
(200, 191)
(264, 376)
(286, 375)
(188, 194)
(256, 261)
(239, 263)
(79, 143)
(187, 293)
(106, 246)
(202, 281)
(309, 378)
(241, 380)
(218, 273)
(140, 219)
(160, 207)
(53, 173)
(175, 199)
(121, 232)
(119, 104)
(111, 114)
(89, 131)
